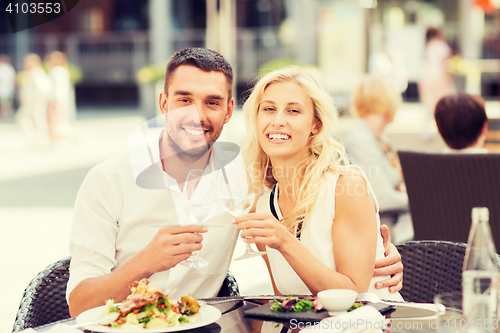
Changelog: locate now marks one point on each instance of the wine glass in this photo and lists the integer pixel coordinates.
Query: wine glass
(237, 199)
(197, 210)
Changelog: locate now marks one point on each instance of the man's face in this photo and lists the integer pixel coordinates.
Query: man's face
(196, 107)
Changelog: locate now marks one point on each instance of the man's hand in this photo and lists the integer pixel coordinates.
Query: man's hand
(389, 265)
(170, 246)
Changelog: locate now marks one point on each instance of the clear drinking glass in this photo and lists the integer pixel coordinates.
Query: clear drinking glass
(237, 199)
(198, 210)
(449, 313)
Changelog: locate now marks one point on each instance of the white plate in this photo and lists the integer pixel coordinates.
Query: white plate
(207, 315)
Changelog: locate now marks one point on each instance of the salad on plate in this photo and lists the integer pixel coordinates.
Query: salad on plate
(148, 307)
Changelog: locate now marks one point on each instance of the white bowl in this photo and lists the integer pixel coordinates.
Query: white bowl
(337, 301)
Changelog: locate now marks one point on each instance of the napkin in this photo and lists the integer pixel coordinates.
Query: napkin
(364, 318)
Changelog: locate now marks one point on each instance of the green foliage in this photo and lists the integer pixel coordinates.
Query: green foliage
(151, 73)
(282, 63)
(75, 74)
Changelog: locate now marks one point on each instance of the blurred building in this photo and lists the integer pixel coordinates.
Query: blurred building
(111, 40)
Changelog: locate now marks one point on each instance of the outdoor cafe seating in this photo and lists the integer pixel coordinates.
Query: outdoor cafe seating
(442, 190)
(431, 268)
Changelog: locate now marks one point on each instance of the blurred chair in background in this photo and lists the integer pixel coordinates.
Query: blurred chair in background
(443, 189)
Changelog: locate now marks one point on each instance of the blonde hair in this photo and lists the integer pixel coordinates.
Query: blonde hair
(57, 58)
(375, 95)
(32, 60)
(325, 153)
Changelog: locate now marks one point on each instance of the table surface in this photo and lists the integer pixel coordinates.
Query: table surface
(233, 320)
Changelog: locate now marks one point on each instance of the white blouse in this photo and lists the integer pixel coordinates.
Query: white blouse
(317, 237)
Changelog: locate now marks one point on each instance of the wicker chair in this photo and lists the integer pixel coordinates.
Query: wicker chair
(443, 189)
(44, 300)
(430, 268)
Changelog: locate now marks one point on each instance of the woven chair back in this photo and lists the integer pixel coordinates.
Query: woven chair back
(44, 300)
(430, 268)
(443, 189)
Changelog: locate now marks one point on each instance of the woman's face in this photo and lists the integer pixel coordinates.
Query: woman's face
(285, 122)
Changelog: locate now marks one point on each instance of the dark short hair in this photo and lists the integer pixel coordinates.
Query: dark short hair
(460, 119)
(205, 59)
(431, 33)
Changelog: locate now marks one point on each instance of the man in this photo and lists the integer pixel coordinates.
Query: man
(116, 238)
(462, 122)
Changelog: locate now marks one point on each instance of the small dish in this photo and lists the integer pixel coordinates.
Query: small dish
(337, 301)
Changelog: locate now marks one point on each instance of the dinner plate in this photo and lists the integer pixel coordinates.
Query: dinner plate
(206, 316)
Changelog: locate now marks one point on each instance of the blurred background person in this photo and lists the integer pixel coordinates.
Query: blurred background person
(375, 101)
(60, 97)
(462, 123)
(7, 86)
(34, 93)
(436, 80)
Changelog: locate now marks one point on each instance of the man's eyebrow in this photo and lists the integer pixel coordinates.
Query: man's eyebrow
(182, 93)
(218, 97)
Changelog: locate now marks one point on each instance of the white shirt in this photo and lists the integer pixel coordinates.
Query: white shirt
(317, 237)
(7, 80)
(116, 215)
(61, 84)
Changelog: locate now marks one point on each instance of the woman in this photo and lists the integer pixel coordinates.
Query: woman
(34, 92)
(436, 80)
(375, 100)
(59, 103)
(325, 233)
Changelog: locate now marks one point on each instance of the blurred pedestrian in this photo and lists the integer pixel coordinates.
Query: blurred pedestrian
(462, 122)
(436, 80)
(35, 88)
(7, 86)
(60, 96)
(375, 101)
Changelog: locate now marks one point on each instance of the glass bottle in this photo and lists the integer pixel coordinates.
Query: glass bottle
(480, 275)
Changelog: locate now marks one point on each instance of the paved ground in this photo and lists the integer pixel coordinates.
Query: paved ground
(38, 188)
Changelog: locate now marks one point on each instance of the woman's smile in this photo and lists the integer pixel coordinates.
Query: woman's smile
(278, 137)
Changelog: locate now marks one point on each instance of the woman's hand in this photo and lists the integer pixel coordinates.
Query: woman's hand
(265, 229)
(389, 265)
